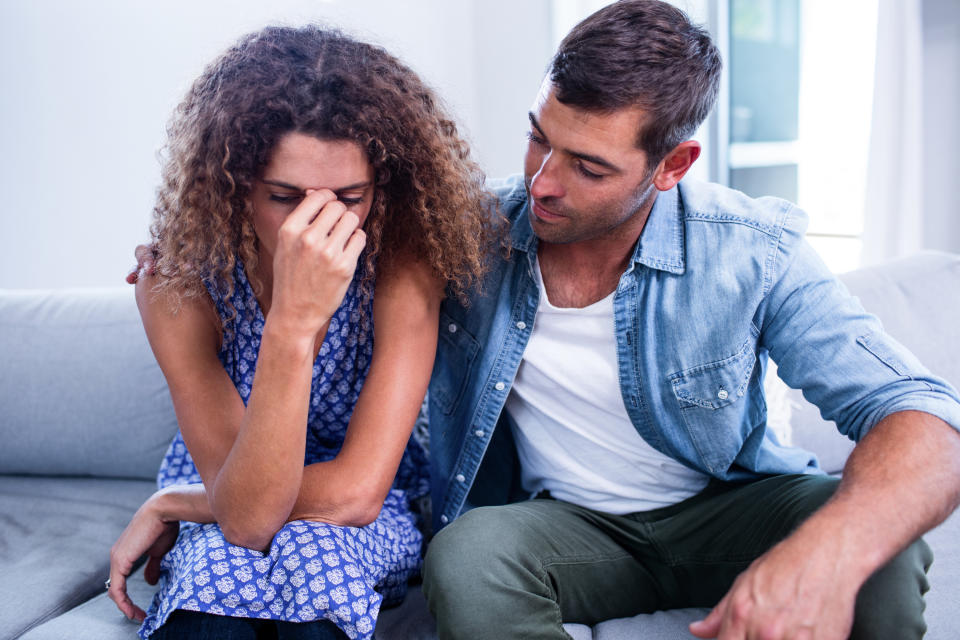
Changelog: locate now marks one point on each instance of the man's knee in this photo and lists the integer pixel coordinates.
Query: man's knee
(482, 563)
(890, 604)
(478, 543)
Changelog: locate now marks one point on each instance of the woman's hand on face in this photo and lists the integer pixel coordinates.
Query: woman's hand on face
(146, 534)
(318, 246)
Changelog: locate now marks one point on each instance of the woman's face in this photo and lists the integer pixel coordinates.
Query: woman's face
(301, 163)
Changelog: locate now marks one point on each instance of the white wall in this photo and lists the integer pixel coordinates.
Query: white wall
(87, 88)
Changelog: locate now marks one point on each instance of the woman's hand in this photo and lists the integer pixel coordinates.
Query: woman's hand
(148, 533)
(318, 246)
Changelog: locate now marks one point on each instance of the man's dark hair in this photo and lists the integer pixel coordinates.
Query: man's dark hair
(641, 53)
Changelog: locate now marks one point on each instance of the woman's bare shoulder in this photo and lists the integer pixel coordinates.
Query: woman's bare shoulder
(177, 325)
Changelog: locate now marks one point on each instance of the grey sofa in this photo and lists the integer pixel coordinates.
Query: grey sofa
(86, 418)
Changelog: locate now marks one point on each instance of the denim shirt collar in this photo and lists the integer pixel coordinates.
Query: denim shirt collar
(660, 245)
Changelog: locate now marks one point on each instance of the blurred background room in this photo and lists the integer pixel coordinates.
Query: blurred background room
(847, 107)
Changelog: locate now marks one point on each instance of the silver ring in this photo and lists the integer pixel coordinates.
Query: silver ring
(106, 585)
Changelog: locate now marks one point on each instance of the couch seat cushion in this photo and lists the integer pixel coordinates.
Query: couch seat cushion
(55, 541)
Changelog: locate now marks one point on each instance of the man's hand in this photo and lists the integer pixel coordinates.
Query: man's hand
(147, 534)
(900, 481)
(796, 590)
(146, 261)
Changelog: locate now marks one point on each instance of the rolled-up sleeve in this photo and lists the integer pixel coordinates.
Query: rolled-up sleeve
(827, 345)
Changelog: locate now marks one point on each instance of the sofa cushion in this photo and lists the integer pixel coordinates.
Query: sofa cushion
(97, 618)
(942, 614)
(55, 542)
(80, 391)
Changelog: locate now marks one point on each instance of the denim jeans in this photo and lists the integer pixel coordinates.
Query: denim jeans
(207, 626)
(522, 570)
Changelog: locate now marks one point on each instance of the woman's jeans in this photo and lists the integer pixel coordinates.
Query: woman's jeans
(207, 626)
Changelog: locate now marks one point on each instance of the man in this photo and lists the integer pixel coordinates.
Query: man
(612, 368)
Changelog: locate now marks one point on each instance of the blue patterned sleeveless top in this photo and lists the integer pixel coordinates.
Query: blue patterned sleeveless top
(338, 374)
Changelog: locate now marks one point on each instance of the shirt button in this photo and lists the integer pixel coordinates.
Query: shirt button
(452, 328)
(521, 325)
(479, 433)
(444, 519)
(461, 478)
(499, 386)
(722, 394)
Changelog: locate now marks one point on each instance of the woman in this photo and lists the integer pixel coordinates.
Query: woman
(314, 196)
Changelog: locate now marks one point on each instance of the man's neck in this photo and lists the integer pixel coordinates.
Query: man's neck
(582, 273)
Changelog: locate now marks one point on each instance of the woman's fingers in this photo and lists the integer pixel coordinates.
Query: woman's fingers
(119, 570)
(327, 236)
(342, 230)
(358, 240)
(315, 260)
(146, 533)
(310, 209)
(151, 572)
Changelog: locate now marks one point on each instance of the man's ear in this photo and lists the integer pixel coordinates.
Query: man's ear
(676, 164)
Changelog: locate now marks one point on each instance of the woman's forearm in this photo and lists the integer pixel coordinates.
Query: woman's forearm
(257, 485)
(182, 502)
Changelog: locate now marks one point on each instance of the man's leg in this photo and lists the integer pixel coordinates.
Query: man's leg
(890, 604)
(521, 570)
(709, 544)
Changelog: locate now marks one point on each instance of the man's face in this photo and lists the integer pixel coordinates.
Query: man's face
(585, 176)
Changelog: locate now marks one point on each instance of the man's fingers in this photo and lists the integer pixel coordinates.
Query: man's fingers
(709, 627)
(735, 616)
(146, 258)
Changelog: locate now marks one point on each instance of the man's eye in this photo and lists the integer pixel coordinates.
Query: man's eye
(284, 199)
(586, 173)
(535, 139)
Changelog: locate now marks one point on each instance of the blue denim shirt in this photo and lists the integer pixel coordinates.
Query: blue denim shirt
(717, 284)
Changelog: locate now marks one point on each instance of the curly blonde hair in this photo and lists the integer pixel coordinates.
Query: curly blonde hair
(430, 201)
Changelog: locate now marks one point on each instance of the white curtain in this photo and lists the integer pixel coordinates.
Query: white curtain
(893, 224)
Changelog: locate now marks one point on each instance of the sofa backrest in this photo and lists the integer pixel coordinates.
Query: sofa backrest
(80, 390)
(81, 393)
(917, 299)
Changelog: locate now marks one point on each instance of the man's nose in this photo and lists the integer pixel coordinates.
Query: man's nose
(546, 181)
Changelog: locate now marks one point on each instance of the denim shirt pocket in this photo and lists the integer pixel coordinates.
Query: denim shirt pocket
(456, 351)
(713, 404)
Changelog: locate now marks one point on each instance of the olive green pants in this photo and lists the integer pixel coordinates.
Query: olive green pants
(522, 570)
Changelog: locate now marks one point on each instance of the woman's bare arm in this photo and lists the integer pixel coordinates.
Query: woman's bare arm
(350, 489)
(251, 458)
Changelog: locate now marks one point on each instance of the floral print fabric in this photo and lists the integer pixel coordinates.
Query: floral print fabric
(312, 570)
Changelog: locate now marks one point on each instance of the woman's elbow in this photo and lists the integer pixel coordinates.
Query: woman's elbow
(366, 512)
(360, 510)
(244, 534)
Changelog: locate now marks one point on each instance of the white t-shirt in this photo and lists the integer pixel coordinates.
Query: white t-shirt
(572, 432)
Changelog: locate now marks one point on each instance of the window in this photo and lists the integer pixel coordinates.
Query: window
(798, 117)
